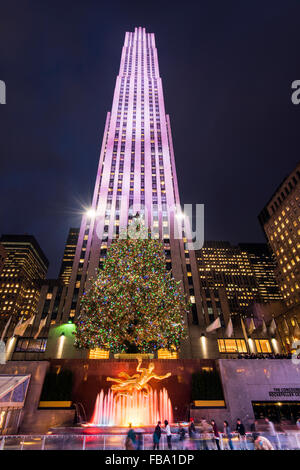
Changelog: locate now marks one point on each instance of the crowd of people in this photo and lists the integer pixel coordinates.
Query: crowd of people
(207, 436)
(264, 356)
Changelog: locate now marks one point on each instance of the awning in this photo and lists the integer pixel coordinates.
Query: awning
(13, 389)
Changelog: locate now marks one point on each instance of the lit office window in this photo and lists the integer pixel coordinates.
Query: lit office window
(263, 346)
(232, 346)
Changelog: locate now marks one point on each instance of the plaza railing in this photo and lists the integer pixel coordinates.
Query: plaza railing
(281, 441)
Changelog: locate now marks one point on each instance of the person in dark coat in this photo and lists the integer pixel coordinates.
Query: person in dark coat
(253, 426)
(139, 441)
(131, 439)
(193, 434)
(240, 430)
(192, 429)
(156, 436)
(216, 433)
(181, 432)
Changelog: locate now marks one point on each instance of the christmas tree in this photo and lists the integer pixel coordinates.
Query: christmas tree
(133, 304)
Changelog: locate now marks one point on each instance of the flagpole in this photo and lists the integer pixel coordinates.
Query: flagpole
(30, 337)
(245, 334)
(278, 331)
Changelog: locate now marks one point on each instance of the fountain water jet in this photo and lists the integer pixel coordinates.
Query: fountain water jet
(138, 408)
(132, 400)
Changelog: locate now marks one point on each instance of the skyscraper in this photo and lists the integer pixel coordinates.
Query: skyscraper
(68, 256)
(222, 265)
(263, 266)
(245, 271)
(24, 267)
(238, 282)
(3, 255)
(136, 173)
(280, 220)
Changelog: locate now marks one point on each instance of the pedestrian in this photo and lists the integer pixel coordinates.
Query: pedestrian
(192, 433)
(192, 429)
(228, 435)
(271, 432)
(207, 432)
(130, 439)
(298, 423)
(169, 434)
(261, 442)
(156, 436)
(181, 432)
(203, 443)
(253, 426)
(216, 433)
(240, 429)
(139, 441)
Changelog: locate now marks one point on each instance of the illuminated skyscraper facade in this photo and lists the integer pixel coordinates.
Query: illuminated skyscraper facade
(245, 271)
(24, 267)
(136, 173)
(280, 220)
(68, 256)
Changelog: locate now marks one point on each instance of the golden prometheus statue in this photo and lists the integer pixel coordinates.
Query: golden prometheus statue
(127, 384)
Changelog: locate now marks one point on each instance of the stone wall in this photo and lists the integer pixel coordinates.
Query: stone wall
(45, 419)
(246, 381)
(90, 377)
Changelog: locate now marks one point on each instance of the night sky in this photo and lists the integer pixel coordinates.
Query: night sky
(227, 69)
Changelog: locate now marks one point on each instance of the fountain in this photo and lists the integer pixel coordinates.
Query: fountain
(132, 400)
(137, 408)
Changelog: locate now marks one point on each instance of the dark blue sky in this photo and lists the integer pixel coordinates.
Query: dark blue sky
(227, 69)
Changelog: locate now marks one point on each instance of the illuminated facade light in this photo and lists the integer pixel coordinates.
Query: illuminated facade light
(91, 213)
(60, 346)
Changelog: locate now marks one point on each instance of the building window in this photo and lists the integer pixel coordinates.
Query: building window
(31, 345)
(98, 353)
(232, 346)
(263, 346)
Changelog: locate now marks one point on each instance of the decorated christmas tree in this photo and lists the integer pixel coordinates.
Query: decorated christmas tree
(133, 304)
